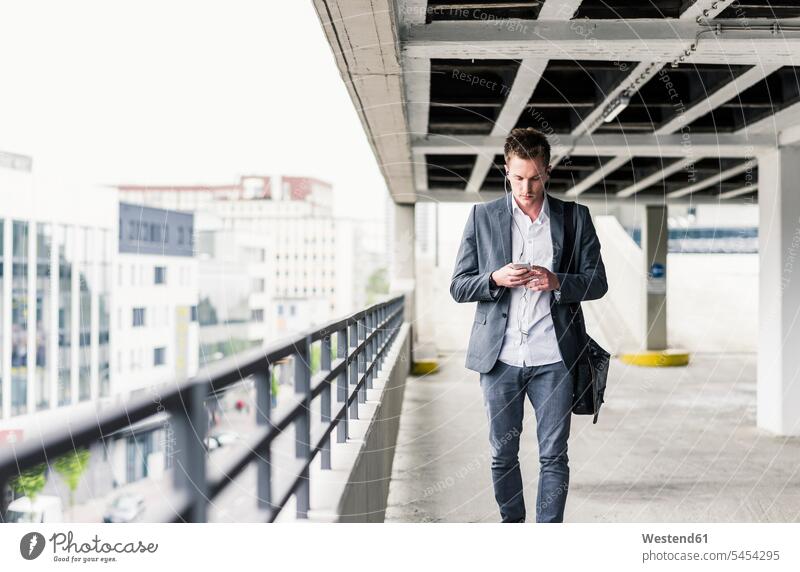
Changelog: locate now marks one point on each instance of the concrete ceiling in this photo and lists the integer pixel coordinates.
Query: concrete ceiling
(704, 87)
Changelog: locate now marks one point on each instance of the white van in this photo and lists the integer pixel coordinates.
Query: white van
(44, 509)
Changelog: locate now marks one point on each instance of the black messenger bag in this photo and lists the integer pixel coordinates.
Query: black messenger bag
(591, 369)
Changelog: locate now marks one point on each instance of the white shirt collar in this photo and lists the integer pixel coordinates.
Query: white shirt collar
(544, 214)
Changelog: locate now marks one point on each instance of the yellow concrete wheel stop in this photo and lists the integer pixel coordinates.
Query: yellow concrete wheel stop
(656, 358)
(425, 367)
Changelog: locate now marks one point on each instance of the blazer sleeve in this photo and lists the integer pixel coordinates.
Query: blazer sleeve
(468, 284)
(589, 283)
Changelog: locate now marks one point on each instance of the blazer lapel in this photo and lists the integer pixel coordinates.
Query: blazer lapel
(501, 227)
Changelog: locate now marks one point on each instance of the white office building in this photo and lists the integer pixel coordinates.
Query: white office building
(57, 244)
(156, 298)
(279, 235)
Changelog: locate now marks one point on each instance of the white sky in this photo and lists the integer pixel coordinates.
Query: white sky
(180, 92)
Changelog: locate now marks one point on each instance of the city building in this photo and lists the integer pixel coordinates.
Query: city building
(56, 276)
(156, 298)
(270, 250)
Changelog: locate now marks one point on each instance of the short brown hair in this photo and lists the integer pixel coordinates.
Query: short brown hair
(527, 143)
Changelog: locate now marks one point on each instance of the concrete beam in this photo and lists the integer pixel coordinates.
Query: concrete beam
(711, 181)
(365, 44)
(605, 169)
(653, 40)
(639, 145)
(528, 75)
(455, 196)
(657, 176)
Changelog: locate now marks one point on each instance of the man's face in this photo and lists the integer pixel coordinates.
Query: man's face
(528, 178)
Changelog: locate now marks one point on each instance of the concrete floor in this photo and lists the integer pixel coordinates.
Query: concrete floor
(670, 445)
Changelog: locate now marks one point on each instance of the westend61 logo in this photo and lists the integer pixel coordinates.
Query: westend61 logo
(66, 550)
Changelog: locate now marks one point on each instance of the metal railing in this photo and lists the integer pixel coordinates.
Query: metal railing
(362, 342)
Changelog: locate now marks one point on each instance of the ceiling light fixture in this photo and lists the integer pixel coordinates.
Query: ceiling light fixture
(615, 108)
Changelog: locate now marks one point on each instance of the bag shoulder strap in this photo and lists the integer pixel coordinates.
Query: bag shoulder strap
(569, 254)
(568, 250)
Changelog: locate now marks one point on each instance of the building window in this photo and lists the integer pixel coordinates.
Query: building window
(291, 310)
(280, 309)
(159, 356)
(161, 275)
(257, 315)
(194, 313)
(138, 317)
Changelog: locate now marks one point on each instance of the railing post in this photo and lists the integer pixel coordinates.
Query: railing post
(191, 427)
(381, 335)
(263, 383)
(342, 431)
(3, 493)
(302, 425)
(353, 366)
(369, 327)
(325, 399)
(398, 319)
(362, 357)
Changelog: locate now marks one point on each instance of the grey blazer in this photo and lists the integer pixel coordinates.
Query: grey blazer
(486, 246)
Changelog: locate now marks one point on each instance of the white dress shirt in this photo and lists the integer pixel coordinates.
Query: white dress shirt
(529, 310)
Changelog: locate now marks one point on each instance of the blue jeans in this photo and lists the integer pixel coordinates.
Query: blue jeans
(549, 387)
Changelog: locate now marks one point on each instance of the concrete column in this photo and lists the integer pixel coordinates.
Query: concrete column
(402, 270)
(654, 248)
(778, 387)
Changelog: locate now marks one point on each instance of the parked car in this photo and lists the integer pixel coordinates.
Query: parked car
(224, 438)
(45, 508)
(212, 443)
(127, 507)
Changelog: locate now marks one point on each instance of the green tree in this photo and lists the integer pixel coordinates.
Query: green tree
(315, 358)
(316, 355)
(71, 467)
(29, 482)
(275, 386)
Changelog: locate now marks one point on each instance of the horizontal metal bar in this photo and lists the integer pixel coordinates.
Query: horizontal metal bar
(84, 431)
(283, 499)
(223, 477)
(323, 378)
(216, 378)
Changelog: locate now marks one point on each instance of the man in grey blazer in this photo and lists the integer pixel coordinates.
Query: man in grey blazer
(525, 336)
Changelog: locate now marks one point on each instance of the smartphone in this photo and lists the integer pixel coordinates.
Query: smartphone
(521, 265)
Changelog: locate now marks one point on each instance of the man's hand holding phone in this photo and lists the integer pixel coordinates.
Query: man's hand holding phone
(513, 274)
